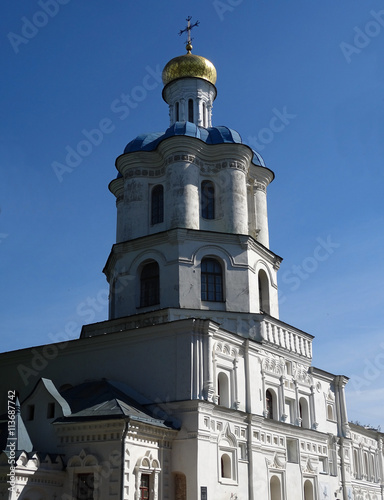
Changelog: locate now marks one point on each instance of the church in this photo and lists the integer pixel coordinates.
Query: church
(194, 388)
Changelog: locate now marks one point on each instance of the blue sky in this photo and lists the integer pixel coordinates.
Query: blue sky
(317, 64)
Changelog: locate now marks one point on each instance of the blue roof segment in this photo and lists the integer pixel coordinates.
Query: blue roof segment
(211, 135)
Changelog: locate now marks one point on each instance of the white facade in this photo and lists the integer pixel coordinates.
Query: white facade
(193, 388)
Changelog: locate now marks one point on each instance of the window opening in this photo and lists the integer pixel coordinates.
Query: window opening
(144, 486)
(223, 390)
(207, 200)
(211, 281)
(204, 115)
(190, 110)
(275, 488)
(157, 205)
(308, 490)
(51, 410)
(269, 404)
(177, 111)
(30, 412)
(225, 466)
(150, 285)
(263, 292)
(85, 486)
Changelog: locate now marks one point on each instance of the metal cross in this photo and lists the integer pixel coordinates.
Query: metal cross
(188, 28)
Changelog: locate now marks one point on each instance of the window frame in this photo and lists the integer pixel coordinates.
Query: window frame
(149, 285)
(211, 278)
(157, 204)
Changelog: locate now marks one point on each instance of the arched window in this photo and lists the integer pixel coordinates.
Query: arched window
(223, 390)
(308, 490)
(207, 200)
(330, 412)
(225, 463)
(150, 285)
(304, 413)
(264, 292)
(190, 110)
(269, 404)
(211, 280)
(177, 111)
(157, 204)
(275, 488)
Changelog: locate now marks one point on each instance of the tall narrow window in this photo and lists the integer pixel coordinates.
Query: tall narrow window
(275, 488)
(308, 490)
(211, 280)
(225, 465)
(264, 292)
(177, 111)
(190, 110)
(207, 200)
(149, 285)
(223, 390)
(204, 115)
(157, 204)
(269, 404)
(85, 486)
(304, 413)
(144, 486)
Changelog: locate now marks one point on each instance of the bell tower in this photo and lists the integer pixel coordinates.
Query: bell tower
(192, 223)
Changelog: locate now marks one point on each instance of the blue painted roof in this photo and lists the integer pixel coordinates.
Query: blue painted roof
(211, 135)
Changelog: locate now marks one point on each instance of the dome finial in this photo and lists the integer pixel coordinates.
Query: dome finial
(188, 30)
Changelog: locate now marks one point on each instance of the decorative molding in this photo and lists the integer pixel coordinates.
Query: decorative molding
(273, 364)
(277, 462)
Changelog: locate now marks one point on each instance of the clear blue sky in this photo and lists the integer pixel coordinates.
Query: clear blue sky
(319, 64)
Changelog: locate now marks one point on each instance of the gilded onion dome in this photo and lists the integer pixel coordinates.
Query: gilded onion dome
(189, 65)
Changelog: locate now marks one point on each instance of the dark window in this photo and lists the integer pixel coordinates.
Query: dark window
(30, 412)
(190, 110)
(85, 486)
(264, 292)
(177, 111)
(51, 410)
(207, 200)
(269, 404)
(204, 115)
(149, 285)
(144, 487)
(211, 280)
(157, 204)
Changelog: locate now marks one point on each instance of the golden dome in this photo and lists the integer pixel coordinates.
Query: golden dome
(189, 65)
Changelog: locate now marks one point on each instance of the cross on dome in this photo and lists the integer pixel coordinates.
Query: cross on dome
(188, 30)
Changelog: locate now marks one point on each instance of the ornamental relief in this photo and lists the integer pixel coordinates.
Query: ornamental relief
(209, 168)
(300, 373)
(274, 364)
(276, 462)
(310, 466)
(226, 349)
